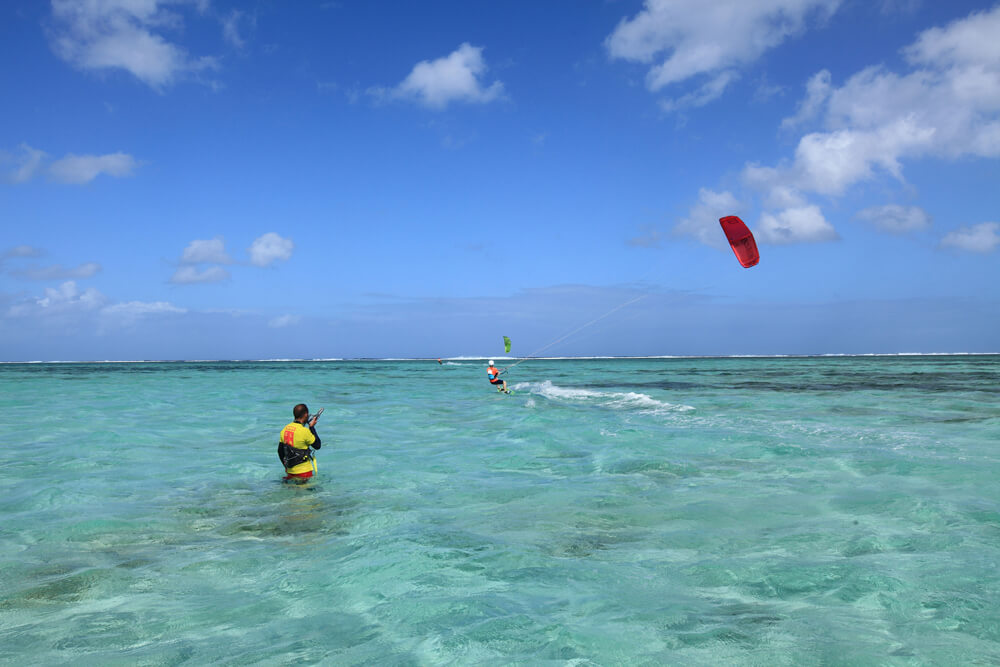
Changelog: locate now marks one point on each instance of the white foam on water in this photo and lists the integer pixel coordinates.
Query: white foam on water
(633, 399)
(624, 400)
(549, 390)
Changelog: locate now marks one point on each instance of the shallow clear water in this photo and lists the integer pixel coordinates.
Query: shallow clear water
(794, 511)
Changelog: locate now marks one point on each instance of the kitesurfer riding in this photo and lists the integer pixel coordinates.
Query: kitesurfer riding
(494, 375)
(295, 442)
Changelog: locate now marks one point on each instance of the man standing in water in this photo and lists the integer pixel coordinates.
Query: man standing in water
(296, 440)
(494, 375)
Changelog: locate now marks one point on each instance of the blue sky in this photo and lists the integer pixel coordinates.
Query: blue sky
(204, 179)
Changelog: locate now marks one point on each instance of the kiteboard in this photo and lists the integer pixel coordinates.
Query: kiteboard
(741, 240)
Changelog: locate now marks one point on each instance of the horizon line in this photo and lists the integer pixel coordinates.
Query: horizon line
(510, 358)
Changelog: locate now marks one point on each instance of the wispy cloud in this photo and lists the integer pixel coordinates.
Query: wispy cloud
(708, 92)
(72, 169)
(22, 251)
(682, 39)
(22, 165)
(59, 300)
(133, 310)
(59, 272)
(457, 77)
(896, 219)
(191, 275)
(817, 93)
(85, 312)
(284, 321)
(80, 169)
(53, 272)
(126, 35)
(235, 25)
(982, 238)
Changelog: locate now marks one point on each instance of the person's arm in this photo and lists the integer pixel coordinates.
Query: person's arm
(312, 429)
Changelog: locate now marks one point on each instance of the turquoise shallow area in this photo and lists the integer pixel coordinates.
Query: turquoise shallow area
(790, 511)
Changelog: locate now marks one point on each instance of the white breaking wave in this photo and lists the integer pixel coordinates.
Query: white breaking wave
(624, 400)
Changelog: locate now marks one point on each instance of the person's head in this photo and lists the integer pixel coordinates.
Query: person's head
(491, 362)
(300, 411)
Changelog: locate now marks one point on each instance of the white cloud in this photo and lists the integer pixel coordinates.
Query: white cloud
(456, 77)
(804, 224)
(963, 42)
(284, 321)
(264, 251)
(702, 223)
(896, 219)
(208, 251)
(189, 275)
(60, 300)
(26, 163)
(981, 238)
(948, 107)
(706, 38)
(59, 272)
(122, 34)
(67, 293)
(270, 248)
(79, 169)
(68, 311)
(829, 163)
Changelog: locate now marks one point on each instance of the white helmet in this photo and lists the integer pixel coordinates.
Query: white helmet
(491, 362)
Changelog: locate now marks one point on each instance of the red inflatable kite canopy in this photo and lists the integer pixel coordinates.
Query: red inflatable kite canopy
(741, 239)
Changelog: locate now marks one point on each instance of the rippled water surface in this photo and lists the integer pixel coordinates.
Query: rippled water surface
(793, 511)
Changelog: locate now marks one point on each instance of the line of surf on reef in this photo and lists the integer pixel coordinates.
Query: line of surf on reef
(484, 357)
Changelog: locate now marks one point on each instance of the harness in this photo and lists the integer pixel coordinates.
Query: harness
(293, 456)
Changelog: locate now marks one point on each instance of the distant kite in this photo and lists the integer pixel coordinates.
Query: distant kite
(741, 240)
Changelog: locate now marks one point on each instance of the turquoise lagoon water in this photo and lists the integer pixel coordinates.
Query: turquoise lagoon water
(766, 511)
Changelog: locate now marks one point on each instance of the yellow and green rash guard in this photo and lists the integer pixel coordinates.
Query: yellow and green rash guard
(299, 437)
